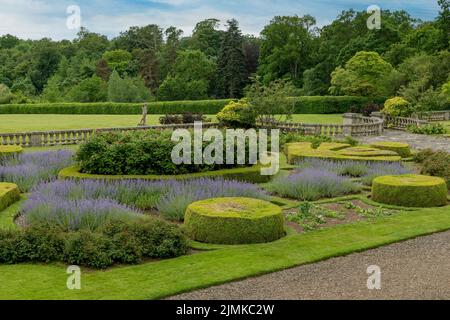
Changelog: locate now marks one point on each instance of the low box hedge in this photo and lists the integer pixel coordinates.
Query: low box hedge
(296, 152)
(302, 105)
(400, 148)
(247, 174)
(234, 221)
(9, 193)
(410, 190)
(7, 151)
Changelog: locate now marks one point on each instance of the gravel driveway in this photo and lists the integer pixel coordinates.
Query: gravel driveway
(414, 269)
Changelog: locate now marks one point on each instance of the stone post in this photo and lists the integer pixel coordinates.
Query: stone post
(35, 140)
(349, 120)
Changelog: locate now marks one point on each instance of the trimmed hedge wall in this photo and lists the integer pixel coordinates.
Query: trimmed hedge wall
(163, 107)
(9, 193)
(234, 221)
(247, 174)
(303, 105)
(410, 190)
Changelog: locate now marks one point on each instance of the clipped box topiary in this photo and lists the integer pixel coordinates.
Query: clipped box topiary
(7, 151)
(234, 221)
(400, 148)
(410, 190)
(9, 193)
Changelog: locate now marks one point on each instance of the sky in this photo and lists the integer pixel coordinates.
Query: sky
(35, 19)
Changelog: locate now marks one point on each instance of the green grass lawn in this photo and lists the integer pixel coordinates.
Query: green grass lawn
(45, 122)
(153, 280)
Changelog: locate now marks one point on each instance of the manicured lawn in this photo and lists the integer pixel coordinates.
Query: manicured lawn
(167, 277)
(44, 122)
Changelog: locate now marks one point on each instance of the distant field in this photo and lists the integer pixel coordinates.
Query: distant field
(40, 122)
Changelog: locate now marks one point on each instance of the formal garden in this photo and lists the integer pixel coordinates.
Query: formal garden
(143, 227)
(356, 121)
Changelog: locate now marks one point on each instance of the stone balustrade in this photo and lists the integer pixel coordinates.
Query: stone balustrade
(400, 123)
(354, 125)
(434, 116)
(69, 137)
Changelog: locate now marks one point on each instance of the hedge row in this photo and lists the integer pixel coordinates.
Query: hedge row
(299, 151)
(9, 193)
(303, 105)
(246, 174)
(163, 107)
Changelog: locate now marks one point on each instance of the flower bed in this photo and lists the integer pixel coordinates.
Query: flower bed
(312, 184)
(29, 169)
(61, 202)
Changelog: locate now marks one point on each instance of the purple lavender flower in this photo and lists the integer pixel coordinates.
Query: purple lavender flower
(29, 169)
(312, 184)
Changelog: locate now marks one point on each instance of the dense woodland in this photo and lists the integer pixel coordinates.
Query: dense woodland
(406, 57)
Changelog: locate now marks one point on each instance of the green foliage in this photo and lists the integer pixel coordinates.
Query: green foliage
(127, 90)
(176, 89)
(137, 153)
(429, 129)
(435, 164)
(231, 68)
(9, 193)
(89, 90)
(237, 114)
(410, 191)
(116, 242)
(268, 101)
(5, 94)
(400, 148)
(247, 174)
(287, 48)
(162, 107)
(398, 107)
(117, 60)
(206, 37)
(9, 151)
(234, 221)
(365, 74)
(190, 77)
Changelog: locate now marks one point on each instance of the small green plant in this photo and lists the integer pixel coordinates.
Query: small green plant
(429, 129)
(310, 216)
(398, 107)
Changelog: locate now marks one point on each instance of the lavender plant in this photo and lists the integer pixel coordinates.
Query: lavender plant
(312, 184)
(366, 170)
(88, 204)
(29, 169)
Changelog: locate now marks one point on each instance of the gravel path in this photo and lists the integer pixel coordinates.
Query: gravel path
(415, 269)
(416, 141)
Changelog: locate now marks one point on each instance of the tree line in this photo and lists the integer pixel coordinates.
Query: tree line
(406, 57)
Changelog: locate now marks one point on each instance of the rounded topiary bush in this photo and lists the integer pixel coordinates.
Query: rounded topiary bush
(6, 151)
(237, 114)
(234, 221)
(398, 107)
(400, 148)
(410, 190)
